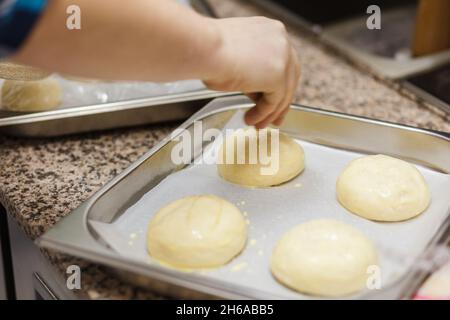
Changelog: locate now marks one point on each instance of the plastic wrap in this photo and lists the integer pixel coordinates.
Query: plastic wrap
(60, 92)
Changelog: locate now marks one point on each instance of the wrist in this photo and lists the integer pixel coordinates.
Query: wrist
(212, 61)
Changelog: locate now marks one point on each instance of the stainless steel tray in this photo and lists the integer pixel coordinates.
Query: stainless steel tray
(110, 115)
(351, 37)
(74, 236)
(105, 116)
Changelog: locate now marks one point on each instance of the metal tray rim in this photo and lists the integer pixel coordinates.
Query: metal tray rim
(110, 107)
(98, 253)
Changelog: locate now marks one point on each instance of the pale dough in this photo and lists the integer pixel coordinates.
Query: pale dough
(290, 159)
(13, 71)
(30, 95)
(382, 188)
(323, 257)
(197, 232)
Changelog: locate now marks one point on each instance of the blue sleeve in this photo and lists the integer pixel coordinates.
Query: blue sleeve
(17, 18)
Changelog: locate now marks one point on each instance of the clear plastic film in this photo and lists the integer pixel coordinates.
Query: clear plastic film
(27, 89)
(56, 92)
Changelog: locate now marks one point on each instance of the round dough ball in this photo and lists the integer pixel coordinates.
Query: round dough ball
(30, 95)
(13, 71)
(382, 188)
(286, 164)
(323, 257)
(197, 232)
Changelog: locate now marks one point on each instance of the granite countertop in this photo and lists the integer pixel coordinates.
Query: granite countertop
(43, 180)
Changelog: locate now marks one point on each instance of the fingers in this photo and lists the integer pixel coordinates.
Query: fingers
(292, 78)
(265, 68)
(281, 104)
(264, 107)
(281, 117)
(295, 80)
(254, 96)
(290, 86)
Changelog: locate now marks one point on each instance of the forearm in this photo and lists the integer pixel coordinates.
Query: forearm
(152, 40)
(159, 40)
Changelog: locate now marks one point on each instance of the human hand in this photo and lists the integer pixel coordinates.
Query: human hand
(256, 57)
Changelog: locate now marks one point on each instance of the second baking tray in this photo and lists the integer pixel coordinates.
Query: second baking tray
(92, 117)
(119, 114)
(330, 140)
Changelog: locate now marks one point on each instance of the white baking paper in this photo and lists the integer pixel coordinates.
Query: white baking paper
(273, 211)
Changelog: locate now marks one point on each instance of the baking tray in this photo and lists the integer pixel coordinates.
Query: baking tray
(433, 86)
(350, 36)
(111, 115)
(393, 59)
(119, 114)
(316, 130)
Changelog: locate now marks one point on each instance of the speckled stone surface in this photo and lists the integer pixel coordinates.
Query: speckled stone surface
(42, 180)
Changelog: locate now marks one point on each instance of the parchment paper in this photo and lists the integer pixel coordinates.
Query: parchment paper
(273, 211)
